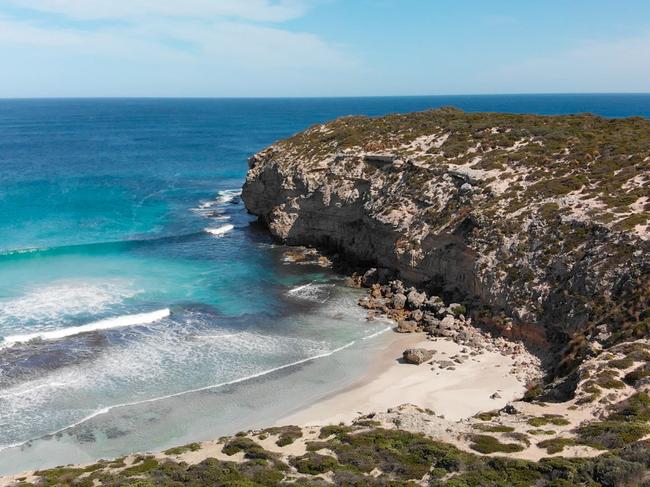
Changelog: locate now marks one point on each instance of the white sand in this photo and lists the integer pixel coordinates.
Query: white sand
(455, 394)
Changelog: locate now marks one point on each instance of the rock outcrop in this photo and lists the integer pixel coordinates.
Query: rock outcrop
(417, 356)
(536, 224)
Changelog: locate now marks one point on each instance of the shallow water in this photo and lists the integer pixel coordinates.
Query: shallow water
(139, 307)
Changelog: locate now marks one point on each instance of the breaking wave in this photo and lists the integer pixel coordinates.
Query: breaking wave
(214, 209)
(311, 292)
(65, 298)
(107, 324)
(220, 231)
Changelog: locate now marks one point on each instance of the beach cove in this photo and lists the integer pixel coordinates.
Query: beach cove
(174, 317)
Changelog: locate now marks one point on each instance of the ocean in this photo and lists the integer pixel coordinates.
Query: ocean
(140, 305)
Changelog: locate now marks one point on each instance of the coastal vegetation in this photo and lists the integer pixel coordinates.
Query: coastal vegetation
(373, 457)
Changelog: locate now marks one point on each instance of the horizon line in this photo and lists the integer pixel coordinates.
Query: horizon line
(314, 97)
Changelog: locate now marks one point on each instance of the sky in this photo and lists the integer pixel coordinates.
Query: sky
(224, 48)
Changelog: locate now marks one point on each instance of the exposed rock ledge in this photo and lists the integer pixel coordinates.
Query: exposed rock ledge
(538, 220)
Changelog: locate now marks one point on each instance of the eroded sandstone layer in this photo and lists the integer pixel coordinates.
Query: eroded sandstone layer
(529, 220)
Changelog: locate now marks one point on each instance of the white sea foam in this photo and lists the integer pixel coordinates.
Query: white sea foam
(64, 298)
(311, 292)
(29, 390)
(106, 410)
(20, 251)
(117, 322)
(220, 231)
(228, 195)
(219, 337)
(209, 208)
(376, 334)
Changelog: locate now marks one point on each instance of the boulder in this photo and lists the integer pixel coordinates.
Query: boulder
(407, 327)
(442, 311)
(417, 355)
(430, 319)
(448, 323)
(434, 303)
(399, 300)
(376, 291)
(415, 299)
(417, 315)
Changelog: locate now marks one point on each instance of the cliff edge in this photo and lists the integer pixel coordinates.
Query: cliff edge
(535, 223)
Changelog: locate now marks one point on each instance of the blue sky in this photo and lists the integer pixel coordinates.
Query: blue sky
(321, 47)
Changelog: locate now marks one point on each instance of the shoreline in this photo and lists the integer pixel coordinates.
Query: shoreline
(460, 380)
(391, 382)
(387, 384)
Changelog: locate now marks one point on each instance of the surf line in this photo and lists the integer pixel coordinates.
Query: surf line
(380, 332)
(107, 324)
(107, 409)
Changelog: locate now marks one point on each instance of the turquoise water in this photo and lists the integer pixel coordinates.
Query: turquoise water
(123, 217)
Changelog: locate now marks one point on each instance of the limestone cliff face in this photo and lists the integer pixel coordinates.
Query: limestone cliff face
(542, 218)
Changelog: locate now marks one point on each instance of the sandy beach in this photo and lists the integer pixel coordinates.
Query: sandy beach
(454, 393)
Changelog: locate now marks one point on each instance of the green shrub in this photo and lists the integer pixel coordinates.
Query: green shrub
(286, 434)
(623, 363)
(493, 428)
(489, 444)
(541, 432)
(487, 416)
(400, 454)
(251, 450)
(611, 434)
(143, 466)
(336, 430)
(314, 464)
(546, 419)
(494, 472)
(556, 445)
(627, 424)
(634, 377)
(459, 310)
(179, 450)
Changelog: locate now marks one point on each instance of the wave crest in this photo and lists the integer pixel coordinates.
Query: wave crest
(107, 324)
(220, 231)
(319, 293)
(51, 302)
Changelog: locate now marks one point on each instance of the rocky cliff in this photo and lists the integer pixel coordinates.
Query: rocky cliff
(527, 220)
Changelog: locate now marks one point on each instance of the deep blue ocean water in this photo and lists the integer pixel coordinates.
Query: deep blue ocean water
(122, 216)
